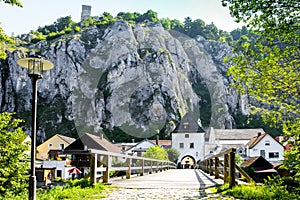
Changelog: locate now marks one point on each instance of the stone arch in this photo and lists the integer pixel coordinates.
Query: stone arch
(188, 161)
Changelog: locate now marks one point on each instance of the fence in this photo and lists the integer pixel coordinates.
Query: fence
(105, 162)
(223, 166)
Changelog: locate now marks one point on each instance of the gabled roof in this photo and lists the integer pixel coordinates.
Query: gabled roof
(188, 125)
(258, 163)
(93, 142)
(255, 140)
(67, 139)
(236, 134)
(135, 147)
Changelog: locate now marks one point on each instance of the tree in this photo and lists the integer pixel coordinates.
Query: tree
(14, 165)
(3, 37)
(156, 152)
(172, 154)
(268, 68)
(150, 15)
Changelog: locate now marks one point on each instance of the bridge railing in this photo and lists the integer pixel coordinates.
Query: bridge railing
(223, 166)
(106, 162)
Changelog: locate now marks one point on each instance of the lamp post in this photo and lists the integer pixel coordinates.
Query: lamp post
(35, 66)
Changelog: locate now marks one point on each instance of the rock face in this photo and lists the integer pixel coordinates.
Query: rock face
(137, 78)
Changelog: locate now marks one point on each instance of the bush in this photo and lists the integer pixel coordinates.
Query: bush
(83, 183)
(274, 188)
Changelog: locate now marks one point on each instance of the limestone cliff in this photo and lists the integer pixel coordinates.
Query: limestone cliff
(135, 77)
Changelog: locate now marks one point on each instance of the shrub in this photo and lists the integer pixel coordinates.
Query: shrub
(83, 183)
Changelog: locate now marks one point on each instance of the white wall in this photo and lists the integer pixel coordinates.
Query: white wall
(197, 138)
(58, 165)
(272, 148)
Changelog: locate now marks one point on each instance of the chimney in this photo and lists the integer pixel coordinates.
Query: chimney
(101, 136)
(132, 140)
(258, 134)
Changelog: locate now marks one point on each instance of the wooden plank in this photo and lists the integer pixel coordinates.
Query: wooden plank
(243, 173)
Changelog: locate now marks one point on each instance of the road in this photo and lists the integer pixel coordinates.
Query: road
(170, 184)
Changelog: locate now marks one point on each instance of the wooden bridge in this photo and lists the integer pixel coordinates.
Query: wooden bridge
(215, 170)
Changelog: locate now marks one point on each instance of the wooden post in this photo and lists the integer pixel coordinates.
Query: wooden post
(225, 168)
(106, 173)
(217, 168)
(93, 171)
(232, 168)
(211, 169)
(143, 169)
(128, 172)
(150, 171)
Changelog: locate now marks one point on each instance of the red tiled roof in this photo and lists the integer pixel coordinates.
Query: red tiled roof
(163, 142)
(253, 141)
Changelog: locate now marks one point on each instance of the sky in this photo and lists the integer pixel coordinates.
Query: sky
(35, 13)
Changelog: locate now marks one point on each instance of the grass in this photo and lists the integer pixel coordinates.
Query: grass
(254, 192)
(74, 190)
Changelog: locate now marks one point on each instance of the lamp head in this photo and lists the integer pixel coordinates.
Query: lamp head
(35, 65)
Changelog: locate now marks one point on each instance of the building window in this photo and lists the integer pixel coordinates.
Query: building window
(62, 146)
(50, 145)
(192, 145)
(58, 173)
(181, 145)
(273, 155)
(267, 143)
(186, 135)
(197, 153)
(186, 125)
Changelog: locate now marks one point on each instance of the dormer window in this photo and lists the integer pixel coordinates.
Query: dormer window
(186, 125)
(267, 143)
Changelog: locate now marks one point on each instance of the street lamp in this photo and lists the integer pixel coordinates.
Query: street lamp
(35, 66)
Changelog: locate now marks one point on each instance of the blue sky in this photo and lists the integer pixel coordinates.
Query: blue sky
(37, 13)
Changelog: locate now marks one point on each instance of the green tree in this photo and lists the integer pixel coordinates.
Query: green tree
(172, 154)
(14, 165)
(150, 15)
(268, 68)
(156, 152)
(3, 37)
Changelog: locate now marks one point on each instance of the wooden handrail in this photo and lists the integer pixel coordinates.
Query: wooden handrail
(154, 165)
(213, 164)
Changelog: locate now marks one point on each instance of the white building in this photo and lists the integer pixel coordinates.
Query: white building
(219, 140)
(188, 139)
(266, 146)
(139, 148)
(60, 168)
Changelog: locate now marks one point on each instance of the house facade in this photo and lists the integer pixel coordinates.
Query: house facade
(140, 148)
(188, 139)
(266, 146)
(219, 140)
(56, 142)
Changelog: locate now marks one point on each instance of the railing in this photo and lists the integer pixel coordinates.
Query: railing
(104, 161)
(223, 166)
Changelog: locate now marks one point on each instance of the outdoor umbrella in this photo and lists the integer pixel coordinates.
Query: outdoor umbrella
(74, 170)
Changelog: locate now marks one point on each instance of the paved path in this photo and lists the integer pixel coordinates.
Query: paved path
(170, 184)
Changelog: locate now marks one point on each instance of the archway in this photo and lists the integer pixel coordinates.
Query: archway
(188, 162)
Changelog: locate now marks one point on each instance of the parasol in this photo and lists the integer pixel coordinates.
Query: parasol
(74, 170)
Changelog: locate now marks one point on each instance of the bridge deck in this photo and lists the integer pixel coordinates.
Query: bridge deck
(174, 178)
